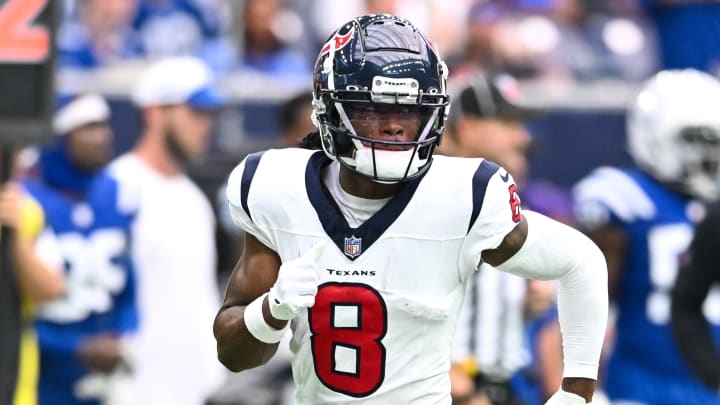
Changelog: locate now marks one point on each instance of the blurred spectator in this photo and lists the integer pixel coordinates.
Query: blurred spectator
(430, 16)
(173, 235)
(327, 15)
(492, 43)
(695, 291)
(39, 278)
(688, 33)
(267, 32)
(579, 52)
(82, 332)
(566, 39)
(99, 33)
(182, 27)
(587, 40)
(592, 43)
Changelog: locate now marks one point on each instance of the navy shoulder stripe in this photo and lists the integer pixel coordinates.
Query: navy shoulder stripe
(479, 185)
(251, 165)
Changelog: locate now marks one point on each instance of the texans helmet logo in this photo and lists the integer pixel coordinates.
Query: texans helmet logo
(340, 41)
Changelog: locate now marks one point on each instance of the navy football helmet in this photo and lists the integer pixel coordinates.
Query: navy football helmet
(374, 72)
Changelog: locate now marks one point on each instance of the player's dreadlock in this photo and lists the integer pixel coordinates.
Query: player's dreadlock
(311, 141)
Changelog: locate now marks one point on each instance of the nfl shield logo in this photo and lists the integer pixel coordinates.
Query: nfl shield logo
(353, 247)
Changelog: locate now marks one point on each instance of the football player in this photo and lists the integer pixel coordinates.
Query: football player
(694, 282)
(81, 333)
(364, 248)
(643, 220)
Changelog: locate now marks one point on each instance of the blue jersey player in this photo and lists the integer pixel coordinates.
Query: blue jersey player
(643, 219)
(81, 333)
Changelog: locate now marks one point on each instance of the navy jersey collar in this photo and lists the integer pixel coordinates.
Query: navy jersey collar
(352, 242)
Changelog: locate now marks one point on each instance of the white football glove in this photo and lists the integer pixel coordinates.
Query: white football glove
(565, 398)
(296, 284)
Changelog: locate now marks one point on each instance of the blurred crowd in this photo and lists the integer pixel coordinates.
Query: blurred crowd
(580, 40)
(570, 39)
(491, 47)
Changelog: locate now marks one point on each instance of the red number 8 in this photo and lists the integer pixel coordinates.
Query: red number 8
(347, 323)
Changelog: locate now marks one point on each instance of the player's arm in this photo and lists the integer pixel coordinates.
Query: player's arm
(254, 274)
(246, 333)
(263, 294)
(536, 247)
(541, 248)
(40, 278)
(692, 286)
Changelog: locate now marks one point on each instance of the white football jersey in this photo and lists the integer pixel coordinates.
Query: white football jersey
(390, 290)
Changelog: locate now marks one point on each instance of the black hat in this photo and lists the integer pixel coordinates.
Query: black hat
(491, 96)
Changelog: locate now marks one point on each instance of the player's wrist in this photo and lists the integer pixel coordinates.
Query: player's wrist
(583, 387)
(260, 324)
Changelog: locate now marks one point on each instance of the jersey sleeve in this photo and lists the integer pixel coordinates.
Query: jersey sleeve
(496, 212)
(609, 196)
(121, 177)
(240, 201)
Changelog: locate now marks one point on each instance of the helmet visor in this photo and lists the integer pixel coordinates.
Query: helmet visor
(388, 126)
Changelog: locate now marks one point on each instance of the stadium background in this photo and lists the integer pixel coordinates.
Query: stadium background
(579, 60)
(584, 97)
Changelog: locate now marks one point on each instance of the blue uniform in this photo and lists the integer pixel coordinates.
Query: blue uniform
(645, 365)
(93, 238)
